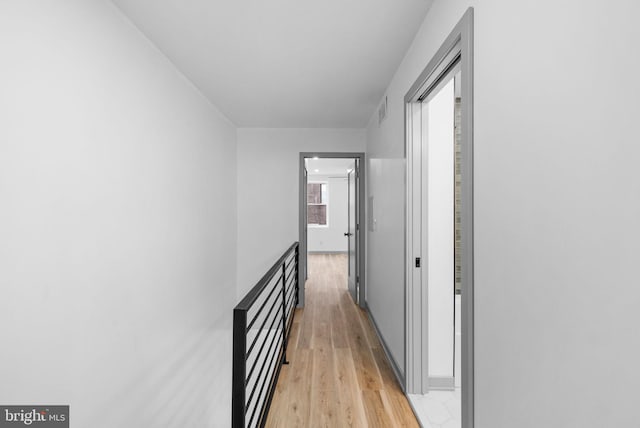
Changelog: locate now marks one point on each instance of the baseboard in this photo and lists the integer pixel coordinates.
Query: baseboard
(327, 252)
(442, 383)
(394, 366)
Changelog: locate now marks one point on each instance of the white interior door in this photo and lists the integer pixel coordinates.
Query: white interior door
(431, 242)
(438, 222)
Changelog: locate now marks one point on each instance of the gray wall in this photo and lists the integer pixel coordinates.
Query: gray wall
(117, 224)
(556, 214)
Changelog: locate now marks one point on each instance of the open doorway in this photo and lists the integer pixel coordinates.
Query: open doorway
(439, 306)
(331, 215)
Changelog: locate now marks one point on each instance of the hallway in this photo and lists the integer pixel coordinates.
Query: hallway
(338, 375)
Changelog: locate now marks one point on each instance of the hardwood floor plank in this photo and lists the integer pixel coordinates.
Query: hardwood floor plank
(351, 408)
(321, 335)
(323, 378)
(375, 410)
(299, 397)
(324, 412)
(400, 409)
(372, 336)
(338, 326)
(338, 375)
(366, 369)
(295, 331)
(386, 372)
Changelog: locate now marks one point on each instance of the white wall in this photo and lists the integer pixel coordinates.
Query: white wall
(268, 207)
(117, 226)
(556, 209)
(331, 238)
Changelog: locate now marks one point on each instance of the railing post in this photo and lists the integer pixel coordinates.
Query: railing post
(284, 311)
(238, 397)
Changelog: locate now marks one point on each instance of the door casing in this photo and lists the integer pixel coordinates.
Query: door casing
(302, 220)
(458, 47)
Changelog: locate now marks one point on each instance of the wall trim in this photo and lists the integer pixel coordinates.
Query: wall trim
(394, 365)
(327, 252)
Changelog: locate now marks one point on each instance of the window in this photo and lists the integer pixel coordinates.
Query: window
(317, 204)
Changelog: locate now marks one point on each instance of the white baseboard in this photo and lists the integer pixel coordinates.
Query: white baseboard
(442, 383)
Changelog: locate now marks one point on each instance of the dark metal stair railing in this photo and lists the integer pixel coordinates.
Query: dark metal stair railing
(247, 408)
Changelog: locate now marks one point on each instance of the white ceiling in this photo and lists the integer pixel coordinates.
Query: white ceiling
(284, 63)
(333, 166)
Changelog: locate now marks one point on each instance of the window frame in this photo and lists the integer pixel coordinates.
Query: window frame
(325, 203)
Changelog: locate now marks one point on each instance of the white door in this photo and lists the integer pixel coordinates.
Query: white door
(353, 232)
(438, 222)
(432, 241)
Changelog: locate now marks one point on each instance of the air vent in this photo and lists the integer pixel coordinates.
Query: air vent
(382, 111)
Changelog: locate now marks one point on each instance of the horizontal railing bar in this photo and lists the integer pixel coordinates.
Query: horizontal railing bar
(261, 347)
(291, 274)
(289, 317)
(290, 297)
(291, 284)
(291, 314)
(274, 378)
(276, 339)
(290, 271)
(271, 363)
(290, 323)
(253, 320)
(266, 318)
(268, 394)
(279, 287)
(293, 259)
(290, 308)
(253, 294)
(292, 287)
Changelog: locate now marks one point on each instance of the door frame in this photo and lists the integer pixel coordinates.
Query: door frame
(459, 44)
(353, 179)
(302, 221)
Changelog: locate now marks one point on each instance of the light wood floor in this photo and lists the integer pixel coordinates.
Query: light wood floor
(338, 375)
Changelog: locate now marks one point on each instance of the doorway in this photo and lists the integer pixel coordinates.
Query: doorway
(439, 235)
(331, 213)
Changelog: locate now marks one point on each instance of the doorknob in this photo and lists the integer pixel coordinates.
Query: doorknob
(348, 234)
